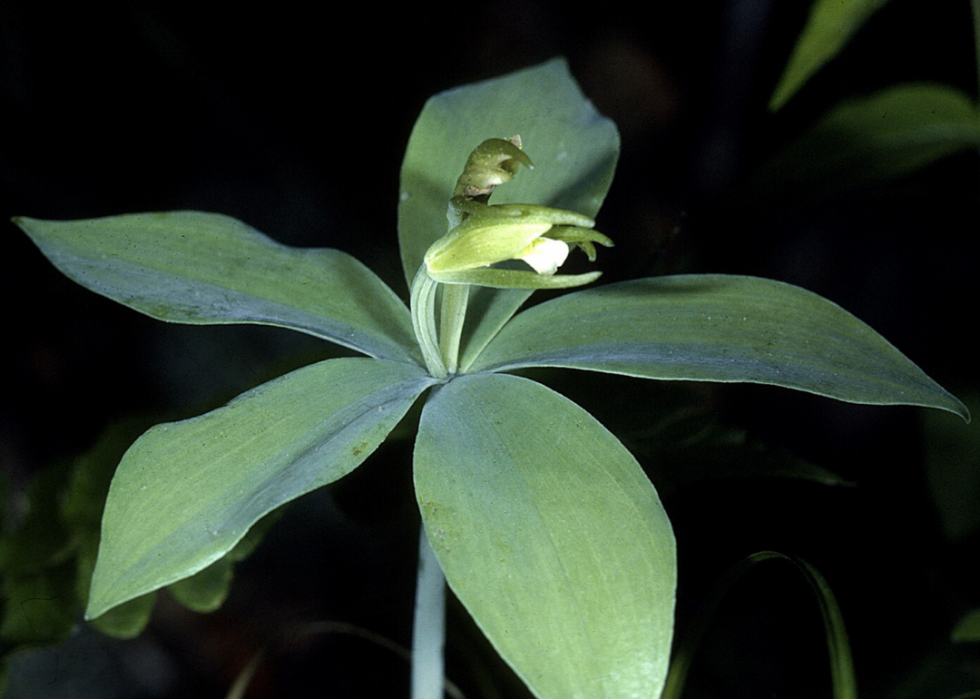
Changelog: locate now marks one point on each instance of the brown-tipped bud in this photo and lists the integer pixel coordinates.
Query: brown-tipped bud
(491, 163)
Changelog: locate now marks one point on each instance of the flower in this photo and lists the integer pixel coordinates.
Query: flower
(482, 235)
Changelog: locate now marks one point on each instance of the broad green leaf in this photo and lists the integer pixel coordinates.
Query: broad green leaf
(550, 534)
(716, 328)
(875, 139)
(201, 268)
(187, 492)
(830, 26)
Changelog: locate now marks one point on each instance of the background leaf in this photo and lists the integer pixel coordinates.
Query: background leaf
(830, 26)
(39, 602)
(682, 443)
(843, 681)
(874, 139)
(187, 492)
(968, 628)
(128, 619)
(207, 589)
(952, 463)
(201, 268)
(716, 328)
(551, 536)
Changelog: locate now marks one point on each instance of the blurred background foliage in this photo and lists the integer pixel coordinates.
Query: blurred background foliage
(862, 186)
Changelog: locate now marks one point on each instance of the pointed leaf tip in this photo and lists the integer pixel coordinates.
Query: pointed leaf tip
(717, 328)
(187, 492)
(202, 268)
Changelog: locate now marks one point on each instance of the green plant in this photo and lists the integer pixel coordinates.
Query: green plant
(544, 524)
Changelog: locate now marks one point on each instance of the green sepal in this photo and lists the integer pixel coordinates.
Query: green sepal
(478, 243)
(500, 233)
(531, 213)
(515, 279)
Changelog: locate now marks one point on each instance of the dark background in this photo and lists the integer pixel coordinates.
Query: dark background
(295, 121)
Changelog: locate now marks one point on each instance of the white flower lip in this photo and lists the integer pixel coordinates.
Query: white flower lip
(545, 255)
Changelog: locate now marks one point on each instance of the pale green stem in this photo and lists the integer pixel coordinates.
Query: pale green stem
(451, 317)
(423, 304)
(429, 629)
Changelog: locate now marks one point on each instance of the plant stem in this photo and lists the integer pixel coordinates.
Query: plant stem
(429, 628)
(452, 315)
(423, 305)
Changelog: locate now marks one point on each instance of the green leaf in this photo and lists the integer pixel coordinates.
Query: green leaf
(206, 589)
(38, 607)
(187, 492)
(838, 646)
(487, 312)
(47, 562)
(200, 268)
(128, 619)
(38, 603)
(42, 538)
(875, 139)
(668, 425)
(952, 463)
(551, 536)
(830, 26)
(716, 328)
